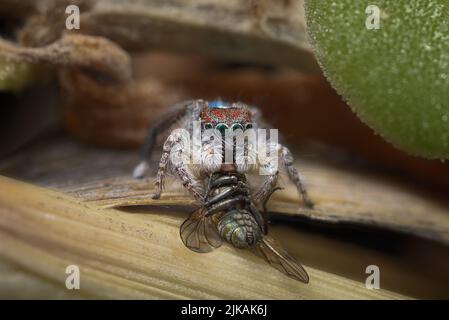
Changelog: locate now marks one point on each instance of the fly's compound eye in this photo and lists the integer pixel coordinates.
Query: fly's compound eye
(248, 126)
(221, 127)
(237, 126)
(208, 125)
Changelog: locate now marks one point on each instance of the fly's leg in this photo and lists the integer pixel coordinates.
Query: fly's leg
(267, 187)
(293, 174)
(174, 114)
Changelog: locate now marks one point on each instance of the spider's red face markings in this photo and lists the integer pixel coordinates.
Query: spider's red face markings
(221, 115)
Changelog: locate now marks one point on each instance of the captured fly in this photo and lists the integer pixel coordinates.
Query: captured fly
(229, 209)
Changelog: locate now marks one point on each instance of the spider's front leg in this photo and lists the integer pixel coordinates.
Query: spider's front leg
(173, 150)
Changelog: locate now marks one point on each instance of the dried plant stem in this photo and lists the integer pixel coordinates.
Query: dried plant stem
(88, 53)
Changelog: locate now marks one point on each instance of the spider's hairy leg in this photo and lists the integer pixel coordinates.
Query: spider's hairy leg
(189, 181)
(293, 174)
(174, 114)
(161, 173)
(174, 146)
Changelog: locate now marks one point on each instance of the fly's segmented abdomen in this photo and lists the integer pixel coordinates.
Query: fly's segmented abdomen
(239, 228)
(230, 198)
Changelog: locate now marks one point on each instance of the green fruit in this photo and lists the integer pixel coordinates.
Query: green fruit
(395, 78)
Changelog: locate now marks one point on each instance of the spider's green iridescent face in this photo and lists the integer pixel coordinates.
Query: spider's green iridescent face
(223, 116)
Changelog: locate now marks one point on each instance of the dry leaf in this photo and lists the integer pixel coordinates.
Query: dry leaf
(123, 255)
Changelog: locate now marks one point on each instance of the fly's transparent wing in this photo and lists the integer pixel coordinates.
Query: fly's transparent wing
(270, 250)
(199, 233)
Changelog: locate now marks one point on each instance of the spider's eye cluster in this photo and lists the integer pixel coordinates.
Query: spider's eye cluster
(222, 127)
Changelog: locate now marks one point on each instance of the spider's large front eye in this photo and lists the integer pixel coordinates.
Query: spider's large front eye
(237, 126)
(221, 127)
(248, 126)
(208, 125)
